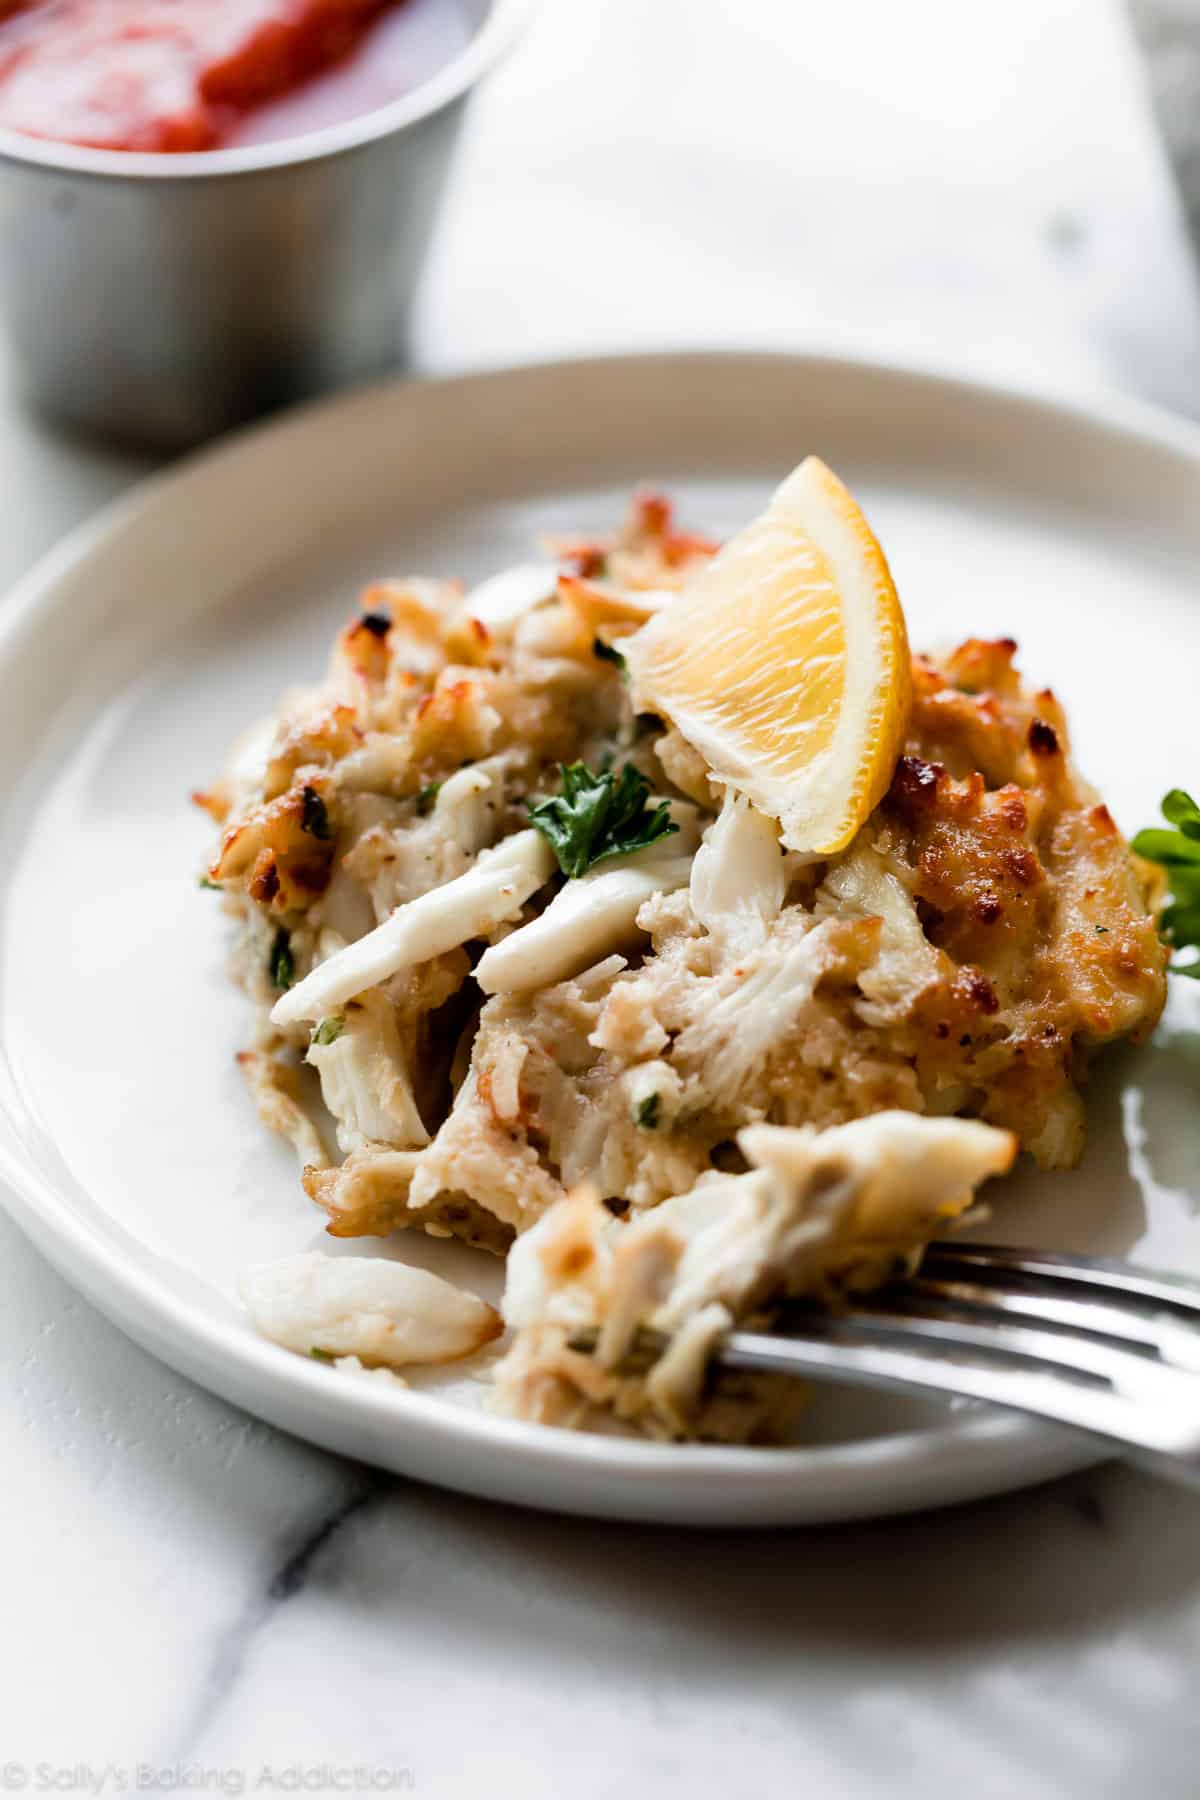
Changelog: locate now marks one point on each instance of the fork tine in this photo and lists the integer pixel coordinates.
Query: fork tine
(1046, 1269)
(1156, 1333)
(1145, 1408)
(1109, 1351)
(1125, 1370)
(842, 1359)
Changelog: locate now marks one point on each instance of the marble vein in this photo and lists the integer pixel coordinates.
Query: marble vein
(296, 1560)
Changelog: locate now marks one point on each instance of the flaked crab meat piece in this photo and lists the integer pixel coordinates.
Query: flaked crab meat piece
(494, 890)
(819, 1212)
(476, 1156)
(370, 1195)
(375, 1373)
(274, 1087)
(761, 1003)
(367, 1194)
(860, 885)
(593, 915)
(586, 918)
(739, 877)
(384, 1313)
(364, 1081)
(501, 601)
(610, 611)
(824, 1209)
(466, 804)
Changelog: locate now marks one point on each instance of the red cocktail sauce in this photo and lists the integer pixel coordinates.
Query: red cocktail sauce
(177, 75)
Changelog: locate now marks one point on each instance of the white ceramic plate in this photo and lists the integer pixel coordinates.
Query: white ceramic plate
(130, 657)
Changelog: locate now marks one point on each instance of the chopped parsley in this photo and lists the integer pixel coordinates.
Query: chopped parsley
(319, 1355)
(647, 1113)
(206, 881)
(426, 797)
(314, 819)
(282, 964)
(330, 1029)
(1178, 851)
(599, 814)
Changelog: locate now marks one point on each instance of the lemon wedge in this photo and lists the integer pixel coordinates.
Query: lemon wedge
(785, 663)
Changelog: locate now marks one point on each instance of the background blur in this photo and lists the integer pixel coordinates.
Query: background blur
(1169, 31)
(973, 182)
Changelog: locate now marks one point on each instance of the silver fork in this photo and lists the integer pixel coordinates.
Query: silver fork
(1097, 1345)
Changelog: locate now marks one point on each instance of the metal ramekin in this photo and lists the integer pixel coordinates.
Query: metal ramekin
(160, 299)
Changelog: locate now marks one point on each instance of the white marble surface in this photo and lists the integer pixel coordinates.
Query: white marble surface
(189, 1600)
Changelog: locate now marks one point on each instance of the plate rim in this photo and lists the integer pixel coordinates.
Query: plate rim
(1123, 415)
(920, 1467)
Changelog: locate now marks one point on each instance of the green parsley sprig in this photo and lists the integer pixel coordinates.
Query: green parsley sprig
(1178, 851)
(330, 1029)
(647, 1112)
(282, 963)
(599, 814)
(608, 653)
